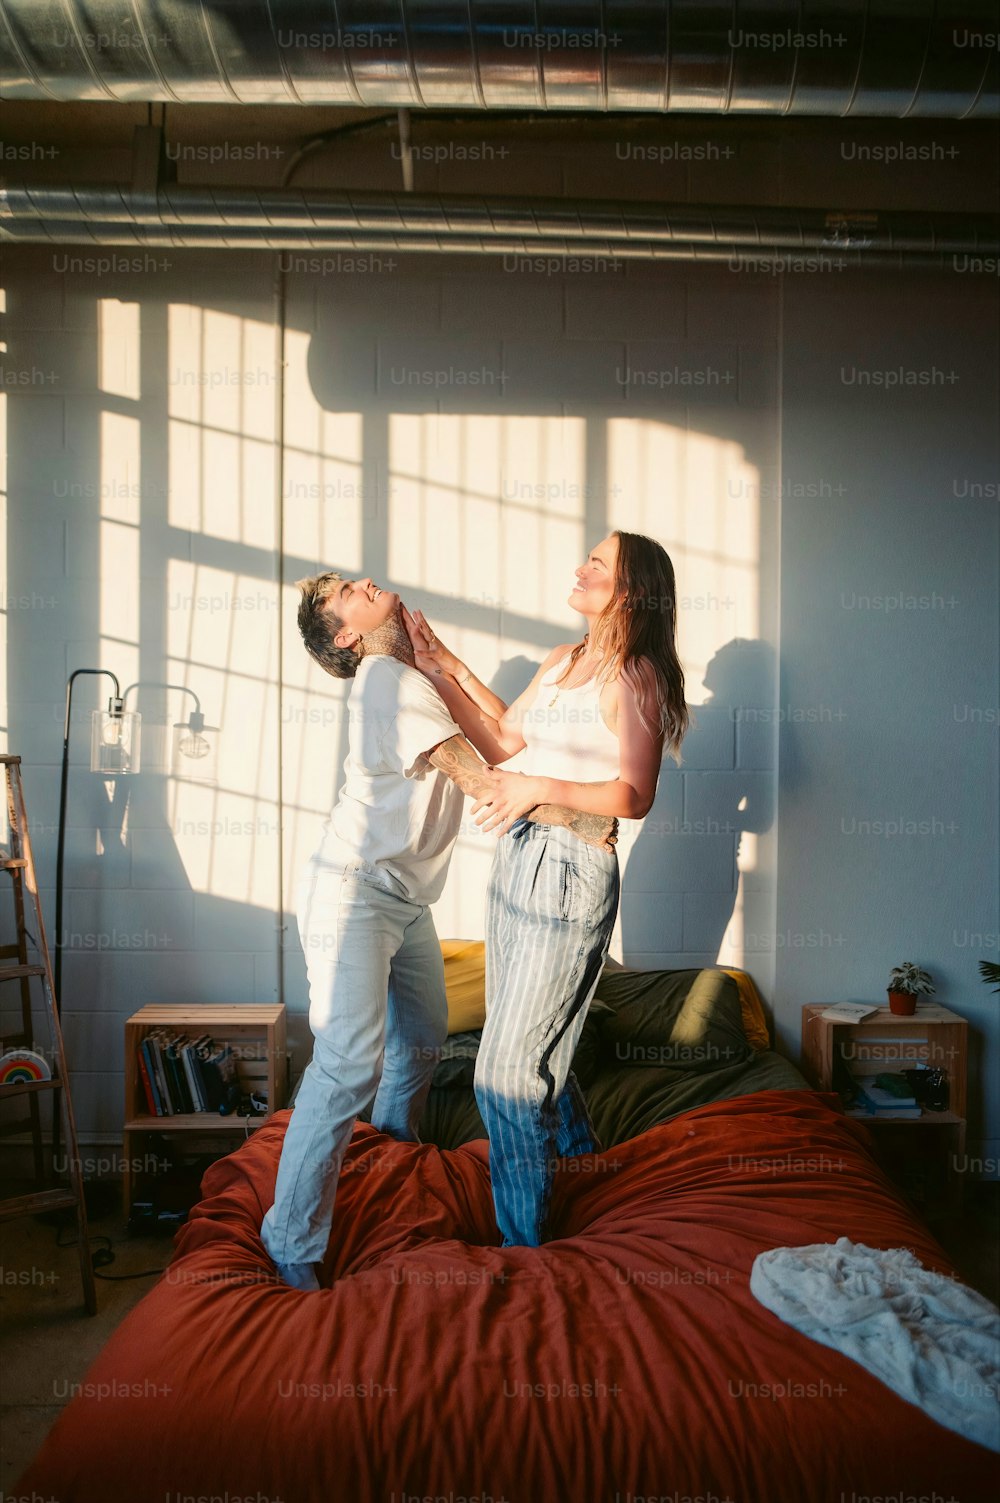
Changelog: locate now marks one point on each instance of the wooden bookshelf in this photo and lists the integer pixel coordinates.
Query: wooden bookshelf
(256, 1034)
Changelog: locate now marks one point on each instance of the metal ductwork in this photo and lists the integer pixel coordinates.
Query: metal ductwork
(841, 58)
(293, 219)
(290, 219)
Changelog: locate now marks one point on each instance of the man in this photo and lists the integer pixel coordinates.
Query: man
(377, 1006)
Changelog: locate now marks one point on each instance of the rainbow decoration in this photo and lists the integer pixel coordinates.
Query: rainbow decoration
(20, 1065)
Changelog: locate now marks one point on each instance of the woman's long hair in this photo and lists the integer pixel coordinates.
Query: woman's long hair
(640, 621)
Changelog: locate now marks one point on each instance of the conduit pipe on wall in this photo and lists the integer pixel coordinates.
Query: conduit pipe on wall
(290, 219)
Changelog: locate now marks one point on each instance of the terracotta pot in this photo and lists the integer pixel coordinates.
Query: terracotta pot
(903, 1004)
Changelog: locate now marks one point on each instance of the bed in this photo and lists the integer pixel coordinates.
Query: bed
(626, 1359)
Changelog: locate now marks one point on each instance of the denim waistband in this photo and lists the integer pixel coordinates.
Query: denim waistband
(360, 871)
(528, 829)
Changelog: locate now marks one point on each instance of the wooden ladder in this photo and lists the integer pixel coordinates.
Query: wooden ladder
(15, 965)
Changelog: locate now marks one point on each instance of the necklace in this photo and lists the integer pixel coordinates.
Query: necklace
(560, 687)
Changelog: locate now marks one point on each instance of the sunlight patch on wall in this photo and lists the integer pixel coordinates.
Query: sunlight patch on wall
(221, 632)
(118, 348)
(220, 402)
(314, 739)
(488, 510)
(325, 492)
(118, 582)
(120, 437)
(314, 729)
(485, 528)
(699, 497)
(328, 499)
(119, 596)
(226, 842)
(119, 566)
(219, 619)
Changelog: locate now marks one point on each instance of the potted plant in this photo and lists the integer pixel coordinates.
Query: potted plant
(990, 971)
(906, 983)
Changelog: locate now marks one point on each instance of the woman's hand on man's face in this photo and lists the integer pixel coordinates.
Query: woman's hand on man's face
(512, 794)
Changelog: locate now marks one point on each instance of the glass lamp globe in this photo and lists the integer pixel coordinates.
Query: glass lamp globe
(115, 736)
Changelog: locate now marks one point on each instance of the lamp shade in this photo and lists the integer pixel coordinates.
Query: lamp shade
(194, 750)
(115, 737)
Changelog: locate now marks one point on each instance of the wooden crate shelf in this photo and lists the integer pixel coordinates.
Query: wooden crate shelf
(256, 1034)
(933, 1036)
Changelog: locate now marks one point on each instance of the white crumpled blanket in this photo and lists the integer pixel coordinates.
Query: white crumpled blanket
(931, 1339)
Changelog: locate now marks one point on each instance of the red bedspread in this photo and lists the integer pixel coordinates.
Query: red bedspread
(627, 1357)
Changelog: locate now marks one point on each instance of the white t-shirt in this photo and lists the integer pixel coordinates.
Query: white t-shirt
(395, 810)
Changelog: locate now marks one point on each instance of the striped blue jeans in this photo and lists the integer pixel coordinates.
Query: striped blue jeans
(550, 909)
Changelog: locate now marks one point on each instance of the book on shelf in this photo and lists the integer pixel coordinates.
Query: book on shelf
(849, 1012)
(873, 1063)
(155, 1058)
(194, 1090)
(149, 1091)
(218, 1071)
(179, 1074)
(223, 1063)
(901, 1113)
(178, 1079)
(871, 1100)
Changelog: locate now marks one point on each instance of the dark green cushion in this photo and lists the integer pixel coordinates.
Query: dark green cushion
(686, 1020)
(457, 1065)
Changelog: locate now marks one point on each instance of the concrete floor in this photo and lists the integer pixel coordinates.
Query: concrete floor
(49, 1341)
(48, 1338)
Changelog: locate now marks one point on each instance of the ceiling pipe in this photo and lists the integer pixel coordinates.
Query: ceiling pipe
(840, 58)
(294, 219)
(540, 254)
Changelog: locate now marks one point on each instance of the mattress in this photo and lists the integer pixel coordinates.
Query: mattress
(624, 1358)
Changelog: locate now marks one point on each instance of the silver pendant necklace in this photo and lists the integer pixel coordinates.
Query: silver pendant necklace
(559, 689)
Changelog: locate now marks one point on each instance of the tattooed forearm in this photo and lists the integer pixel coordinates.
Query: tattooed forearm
(459, 761)
(595, 829)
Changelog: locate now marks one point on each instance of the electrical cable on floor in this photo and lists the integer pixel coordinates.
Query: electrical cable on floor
(103, 1256)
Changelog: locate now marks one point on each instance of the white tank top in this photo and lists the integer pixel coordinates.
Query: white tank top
(565, 734)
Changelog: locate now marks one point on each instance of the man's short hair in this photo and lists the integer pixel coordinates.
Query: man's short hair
(320, 625)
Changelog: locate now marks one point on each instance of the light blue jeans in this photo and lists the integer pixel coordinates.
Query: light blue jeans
(550, 911)
(378, 1013)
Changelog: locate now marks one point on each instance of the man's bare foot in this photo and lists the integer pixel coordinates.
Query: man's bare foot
(299, 1275)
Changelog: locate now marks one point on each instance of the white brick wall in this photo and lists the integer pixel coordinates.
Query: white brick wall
(475, 500)
(145, 526)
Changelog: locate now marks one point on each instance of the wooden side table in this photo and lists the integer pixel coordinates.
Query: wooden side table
(256, 1032)
(920, 1153)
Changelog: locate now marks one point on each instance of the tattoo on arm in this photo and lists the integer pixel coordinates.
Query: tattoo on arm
(459, 761)
(596, 829)
(457, 758)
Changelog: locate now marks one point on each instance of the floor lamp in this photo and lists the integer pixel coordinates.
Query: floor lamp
(115, 737)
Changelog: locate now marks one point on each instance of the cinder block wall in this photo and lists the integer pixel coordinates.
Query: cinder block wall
(464, 430)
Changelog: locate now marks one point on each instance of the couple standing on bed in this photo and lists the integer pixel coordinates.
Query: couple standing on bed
(592, 726)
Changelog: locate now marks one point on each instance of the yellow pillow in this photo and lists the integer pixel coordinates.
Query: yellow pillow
(754, 1021)
(465, 983)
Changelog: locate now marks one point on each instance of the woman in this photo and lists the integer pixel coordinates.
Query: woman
(590, 730)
